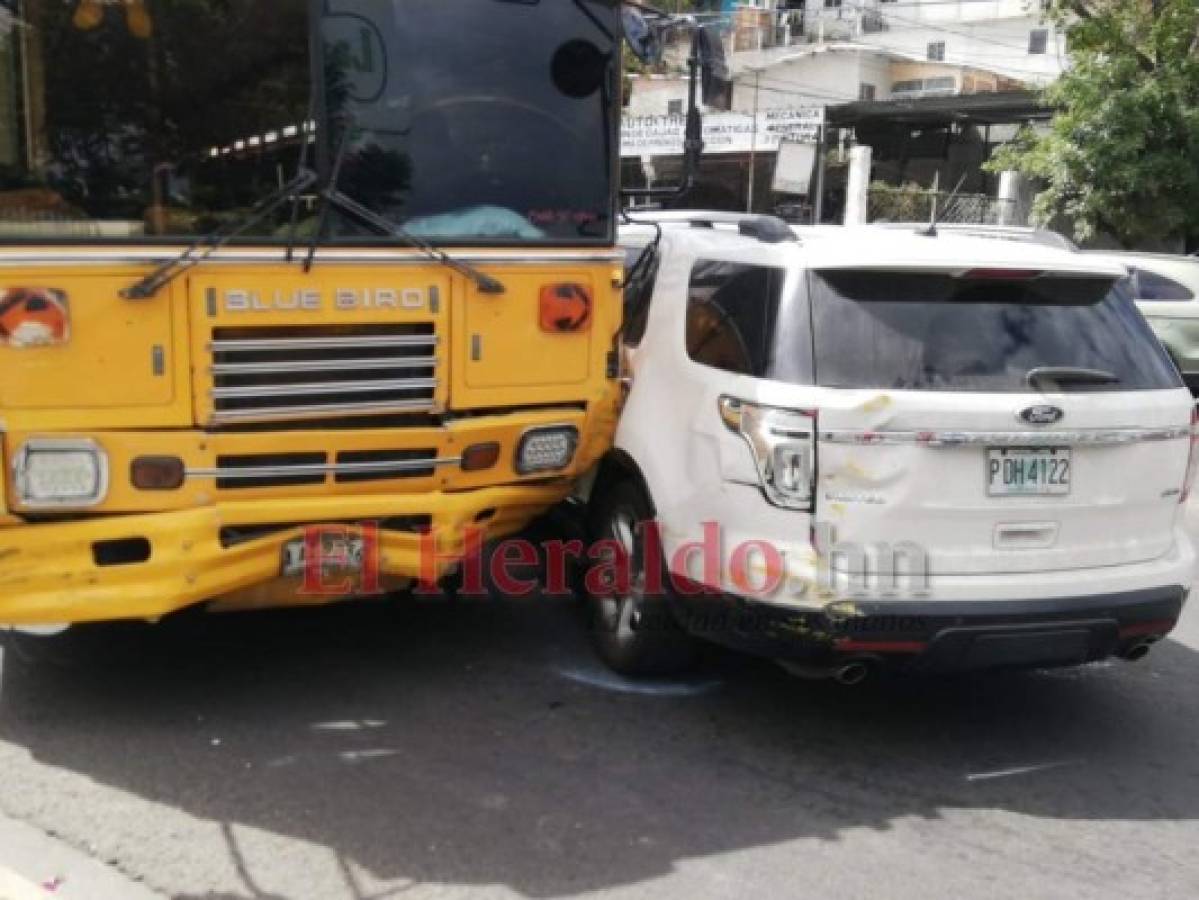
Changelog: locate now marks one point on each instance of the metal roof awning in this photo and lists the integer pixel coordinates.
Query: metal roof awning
(1006, 107)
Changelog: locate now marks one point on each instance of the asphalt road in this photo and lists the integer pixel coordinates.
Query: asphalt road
(442, 750)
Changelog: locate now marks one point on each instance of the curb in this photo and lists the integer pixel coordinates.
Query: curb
(30, 858)
(14, 887)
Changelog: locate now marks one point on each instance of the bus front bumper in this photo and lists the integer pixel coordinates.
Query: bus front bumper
(147, 566)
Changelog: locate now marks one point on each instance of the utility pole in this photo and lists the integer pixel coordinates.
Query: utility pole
(818, 200)
(753, 146)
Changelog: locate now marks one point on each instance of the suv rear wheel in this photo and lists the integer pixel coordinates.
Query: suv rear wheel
(634, 633)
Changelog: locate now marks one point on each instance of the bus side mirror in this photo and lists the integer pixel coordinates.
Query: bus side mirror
(708, 75)
(643, 36)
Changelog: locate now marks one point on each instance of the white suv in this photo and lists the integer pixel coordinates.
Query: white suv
(859, 449)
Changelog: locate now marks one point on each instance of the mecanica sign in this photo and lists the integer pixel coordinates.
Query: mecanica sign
(723, 132)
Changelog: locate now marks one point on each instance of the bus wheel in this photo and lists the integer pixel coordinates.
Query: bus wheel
(67, 648)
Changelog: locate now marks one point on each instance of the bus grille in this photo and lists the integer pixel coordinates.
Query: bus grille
(313, 372)
(260, 470)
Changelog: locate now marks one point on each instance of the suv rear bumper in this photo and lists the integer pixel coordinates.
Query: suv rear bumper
(941, 635)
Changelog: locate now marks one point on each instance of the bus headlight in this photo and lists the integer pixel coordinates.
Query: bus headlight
(546, 449)
(60, 473)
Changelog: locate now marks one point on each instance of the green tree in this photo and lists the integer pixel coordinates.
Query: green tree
(1122, 152)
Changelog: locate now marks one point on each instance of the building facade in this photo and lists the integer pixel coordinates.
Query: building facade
(817, 54)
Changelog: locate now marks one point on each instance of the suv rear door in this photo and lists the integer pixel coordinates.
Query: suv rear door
(1004, 421)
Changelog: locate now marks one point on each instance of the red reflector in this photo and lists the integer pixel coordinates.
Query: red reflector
(1136, 629)
(565, 307)
(480, 456)
(848, 645)
(157, 473)
(1002, 274)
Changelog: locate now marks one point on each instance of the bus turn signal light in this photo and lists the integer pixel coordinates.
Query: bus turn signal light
(478, 457)
(565, 307)
(157, 473)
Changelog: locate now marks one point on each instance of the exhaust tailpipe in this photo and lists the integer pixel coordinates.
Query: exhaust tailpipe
(847, 671)
(853, 672)
(1139, 650)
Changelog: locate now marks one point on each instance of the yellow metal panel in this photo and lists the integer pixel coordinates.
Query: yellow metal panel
(519, 363)
(104, 378)
(118, 354)
(504, 341)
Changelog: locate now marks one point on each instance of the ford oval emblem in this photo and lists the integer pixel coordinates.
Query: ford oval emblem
(1040, 415)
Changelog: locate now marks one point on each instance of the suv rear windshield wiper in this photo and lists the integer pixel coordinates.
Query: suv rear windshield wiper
(1051, 375)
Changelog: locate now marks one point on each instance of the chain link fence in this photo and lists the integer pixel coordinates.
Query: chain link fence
(913, 204)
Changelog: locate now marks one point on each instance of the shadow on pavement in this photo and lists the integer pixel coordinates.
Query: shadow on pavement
(479, 743)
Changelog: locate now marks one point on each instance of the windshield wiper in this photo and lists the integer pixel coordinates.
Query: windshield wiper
(332, 197)
(203, 247)
(1068, 374)
(351, 207)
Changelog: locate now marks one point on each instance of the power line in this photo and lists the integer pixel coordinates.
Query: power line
(941, 28)
(799, 89)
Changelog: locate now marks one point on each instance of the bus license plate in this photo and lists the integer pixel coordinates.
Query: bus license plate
(339, 555)
(1024, 471)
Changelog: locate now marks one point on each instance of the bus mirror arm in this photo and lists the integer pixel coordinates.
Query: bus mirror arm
(706, 61)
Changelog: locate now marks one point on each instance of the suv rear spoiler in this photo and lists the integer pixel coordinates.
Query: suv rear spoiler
(1018, 268)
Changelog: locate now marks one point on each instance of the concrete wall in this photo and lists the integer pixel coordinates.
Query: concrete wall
(937, 12)
(817, 80)
(999, 46)
(876, 70)
(820, 79)
(651, 96)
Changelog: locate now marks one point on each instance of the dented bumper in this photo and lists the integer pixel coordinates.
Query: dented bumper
(146, 566)
(942, 636)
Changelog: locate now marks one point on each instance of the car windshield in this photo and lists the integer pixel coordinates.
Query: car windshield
(470, 120)
(491, 121)
(936, 332)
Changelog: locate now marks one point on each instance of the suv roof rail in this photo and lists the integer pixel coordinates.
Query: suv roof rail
(767, 229)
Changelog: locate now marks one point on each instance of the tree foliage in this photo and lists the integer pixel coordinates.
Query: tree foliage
(1121, 155)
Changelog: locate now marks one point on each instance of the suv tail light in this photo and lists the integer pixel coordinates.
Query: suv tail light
(783, 442)
(1193, 458)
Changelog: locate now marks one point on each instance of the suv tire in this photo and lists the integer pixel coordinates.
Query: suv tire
(633, 633)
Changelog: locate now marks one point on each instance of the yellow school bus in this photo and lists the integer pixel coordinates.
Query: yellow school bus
(269, 264)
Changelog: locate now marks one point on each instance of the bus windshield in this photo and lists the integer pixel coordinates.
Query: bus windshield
(463, 121)
(476, 120)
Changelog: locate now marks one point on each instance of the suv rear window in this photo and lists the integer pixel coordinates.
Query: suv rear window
(921, 331)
